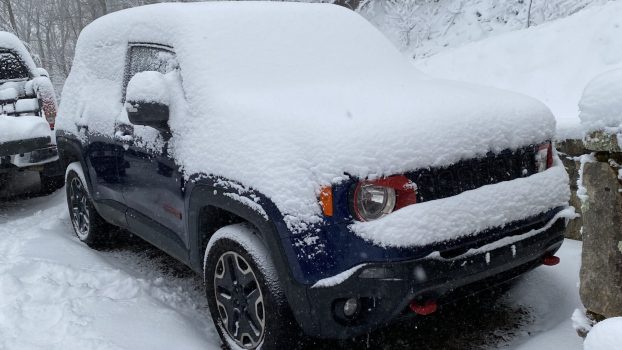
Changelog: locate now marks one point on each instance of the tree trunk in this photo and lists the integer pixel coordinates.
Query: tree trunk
(9, 9)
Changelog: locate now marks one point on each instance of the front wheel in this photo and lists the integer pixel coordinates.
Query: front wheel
(88, 225)
(245, 300)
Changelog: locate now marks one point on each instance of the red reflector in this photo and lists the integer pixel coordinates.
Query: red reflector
(550, 260)
(428, 307)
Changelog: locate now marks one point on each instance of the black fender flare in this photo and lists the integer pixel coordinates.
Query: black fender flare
(208, 191)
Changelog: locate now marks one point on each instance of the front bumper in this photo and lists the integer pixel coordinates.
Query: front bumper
(34, 154)
(23, 146)
(385, 296)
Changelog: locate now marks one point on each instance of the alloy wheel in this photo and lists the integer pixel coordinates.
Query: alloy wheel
(78, 204)
(239, 300)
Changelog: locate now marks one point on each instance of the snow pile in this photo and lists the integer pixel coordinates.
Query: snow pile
(305, 94)
(22, 128)
(552, 62)
(580, 322)
(471, 211)
(605, 335)
(601, 103)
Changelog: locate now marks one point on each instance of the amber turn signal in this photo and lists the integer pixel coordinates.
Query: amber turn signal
(326, 200)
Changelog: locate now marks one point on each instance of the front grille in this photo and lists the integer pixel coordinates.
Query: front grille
(437, 183)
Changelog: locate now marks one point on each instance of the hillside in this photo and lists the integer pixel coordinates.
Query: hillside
(552, 62)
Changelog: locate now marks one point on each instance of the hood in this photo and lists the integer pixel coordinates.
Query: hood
(287, 143)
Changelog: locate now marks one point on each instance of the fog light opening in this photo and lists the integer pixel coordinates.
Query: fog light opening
(351, 307)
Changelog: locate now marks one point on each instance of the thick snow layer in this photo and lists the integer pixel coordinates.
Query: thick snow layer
(148, 87)
(469, 212)
(553, 61)
(11, 42)
(304, 94)
(605, 335)
(20, 128)
(58, 294)
(601, 103)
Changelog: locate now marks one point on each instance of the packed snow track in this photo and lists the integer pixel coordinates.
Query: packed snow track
(56, 293)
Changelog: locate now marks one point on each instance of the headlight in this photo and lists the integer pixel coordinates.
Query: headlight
(544, 156)
(372, 200)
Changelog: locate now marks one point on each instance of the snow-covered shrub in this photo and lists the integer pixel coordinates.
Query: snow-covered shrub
(601, 103)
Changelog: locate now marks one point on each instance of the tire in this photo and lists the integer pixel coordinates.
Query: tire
(88, 225)
(50, 184)
(244, 297)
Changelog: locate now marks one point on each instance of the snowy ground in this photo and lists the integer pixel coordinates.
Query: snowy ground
(56, 293)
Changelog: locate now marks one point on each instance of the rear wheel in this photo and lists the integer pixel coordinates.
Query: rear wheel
(88, 225)
(246, 303)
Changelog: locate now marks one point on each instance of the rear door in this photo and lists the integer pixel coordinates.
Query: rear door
(153, 186)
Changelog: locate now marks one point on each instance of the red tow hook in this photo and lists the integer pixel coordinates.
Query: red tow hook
(550, 260)
(427, 308)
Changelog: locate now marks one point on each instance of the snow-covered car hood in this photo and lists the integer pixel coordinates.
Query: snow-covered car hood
(286, 98)
(23, 128)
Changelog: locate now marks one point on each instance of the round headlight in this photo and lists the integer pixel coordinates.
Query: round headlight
(372, 201)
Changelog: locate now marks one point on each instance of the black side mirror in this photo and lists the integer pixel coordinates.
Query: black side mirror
(147, 100)
(150, 114)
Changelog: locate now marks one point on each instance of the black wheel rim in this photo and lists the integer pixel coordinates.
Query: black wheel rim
(78, 208)
(239, 300)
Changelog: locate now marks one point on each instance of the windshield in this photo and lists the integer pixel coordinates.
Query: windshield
(12, 67)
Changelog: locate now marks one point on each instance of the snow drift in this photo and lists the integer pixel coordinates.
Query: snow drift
(605, 335)
(552, 62)
(287, 98)
(601, 103)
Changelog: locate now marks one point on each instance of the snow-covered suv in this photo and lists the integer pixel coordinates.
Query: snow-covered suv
(290, 154)
(27, 114)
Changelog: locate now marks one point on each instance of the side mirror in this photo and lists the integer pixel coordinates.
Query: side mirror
(41, 72)
(147, 100)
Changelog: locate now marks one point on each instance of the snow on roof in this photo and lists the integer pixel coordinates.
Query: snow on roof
(12, 43)
(601, 103)
(286, 98)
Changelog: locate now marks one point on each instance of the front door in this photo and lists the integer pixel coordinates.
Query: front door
(153, 186)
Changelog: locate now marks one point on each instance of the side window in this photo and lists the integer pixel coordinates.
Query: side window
(143, 58)
(12, 67)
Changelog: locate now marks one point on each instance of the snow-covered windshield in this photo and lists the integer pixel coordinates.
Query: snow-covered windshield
(12, 67)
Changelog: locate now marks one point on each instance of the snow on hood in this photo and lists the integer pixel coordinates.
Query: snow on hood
(286, 98)
(22, 128)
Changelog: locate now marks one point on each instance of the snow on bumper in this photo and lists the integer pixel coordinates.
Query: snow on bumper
(469, 212)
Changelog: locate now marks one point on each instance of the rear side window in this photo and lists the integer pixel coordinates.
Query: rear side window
(148, 58)
(12, 67)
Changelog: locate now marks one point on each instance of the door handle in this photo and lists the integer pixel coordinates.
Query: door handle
(124, 133)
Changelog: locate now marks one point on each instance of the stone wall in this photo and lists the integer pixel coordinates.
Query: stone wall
(568, 151)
